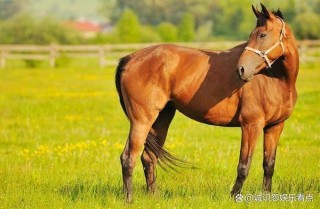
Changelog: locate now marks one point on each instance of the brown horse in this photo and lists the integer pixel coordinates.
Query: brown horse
(155, 82)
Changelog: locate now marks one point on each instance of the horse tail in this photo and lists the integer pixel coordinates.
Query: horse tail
(166, 160)
(121, 66)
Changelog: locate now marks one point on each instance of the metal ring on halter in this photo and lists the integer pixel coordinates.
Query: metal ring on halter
(264, 54)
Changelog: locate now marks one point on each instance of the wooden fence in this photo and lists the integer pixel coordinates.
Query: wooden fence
(109, 54)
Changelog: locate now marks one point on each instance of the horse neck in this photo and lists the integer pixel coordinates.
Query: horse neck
(291, 63)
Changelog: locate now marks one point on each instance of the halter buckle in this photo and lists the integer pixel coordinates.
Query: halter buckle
(263, 53)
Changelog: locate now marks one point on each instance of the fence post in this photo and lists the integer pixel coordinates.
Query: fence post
(52, 56)
(102, 57)
(2, 58)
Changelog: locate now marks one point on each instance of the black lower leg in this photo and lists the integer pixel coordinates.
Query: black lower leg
(268, 167)
(241, 177)
(148, 160)
(127, 170)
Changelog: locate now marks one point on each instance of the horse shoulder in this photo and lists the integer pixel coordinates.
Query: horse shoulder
(268, 98)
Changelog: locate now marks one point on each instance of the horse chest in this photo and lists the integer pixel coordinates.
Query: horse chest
(278, 107)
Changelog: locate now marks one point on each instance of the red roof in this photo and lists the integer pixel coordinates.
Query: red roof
(84, 26)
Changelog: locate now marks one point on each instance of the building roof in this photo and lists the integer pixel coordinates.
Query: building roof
(84, 26)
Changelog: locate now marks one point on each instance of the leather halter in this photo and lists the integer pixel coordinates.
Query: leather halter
(264, 54)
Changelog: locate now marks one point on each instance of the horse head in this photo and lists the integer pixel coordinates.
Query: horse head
(265, 45)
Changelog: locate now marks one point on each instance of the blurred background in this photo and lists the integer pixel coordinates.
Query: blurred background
(125, 21)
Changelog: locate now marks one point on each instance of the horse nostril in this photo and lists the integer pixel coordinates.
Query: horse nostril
(241, 70)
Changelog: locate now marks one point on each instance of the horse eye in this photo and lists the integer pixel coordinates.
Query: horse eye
(262, 35)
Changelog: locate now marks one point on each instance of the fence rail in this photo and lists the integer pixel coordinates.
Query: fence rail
(109, 54)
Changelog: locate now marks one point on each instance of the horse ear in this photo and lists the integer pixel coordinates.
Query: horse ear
(255, 11)
(264, 11)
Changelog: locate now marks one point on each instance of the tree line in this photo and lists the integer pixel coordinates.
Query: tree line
(216, 19)
(159, 21)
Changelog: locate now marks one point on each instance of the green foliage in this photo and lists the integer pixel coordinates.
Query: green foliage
(128, 27)
(307, 26)
(155, 12)
(111, 37)
(10, 8)
(148, 20)
(186, 28)
(168, 32)
(149, 34)
(129, 30)
(67, 9)
(149, 12)
(25, 29)
(231, 19)
(204, 31)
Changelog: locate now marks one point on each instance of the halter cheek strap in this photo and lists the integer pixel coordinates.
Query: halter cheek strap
(264, 54)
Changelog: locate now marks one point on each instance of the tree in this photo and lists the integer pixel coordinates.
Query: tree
(109, 9)
(153, 12)
(128, 27)
(149, 11)
(204, 31)
(186, 28)
(149, 34)
(307, 26)
(230, 18)
(10, 8)
(168, 32)
(23, 29)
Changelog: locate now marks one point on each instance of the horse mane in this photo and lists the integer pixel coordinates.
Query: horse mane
(278, 13)
(262, 20)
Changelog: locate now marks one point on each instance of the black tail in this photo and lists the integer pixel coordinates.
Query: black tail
(166, 160)
(121, 66)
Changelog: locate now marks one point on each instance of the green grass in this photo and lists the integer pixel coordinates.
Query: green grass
(62, 131)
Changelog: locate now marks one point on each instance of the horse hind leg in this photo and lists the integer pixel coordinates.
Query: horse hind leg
(139, 129)
(155, 139)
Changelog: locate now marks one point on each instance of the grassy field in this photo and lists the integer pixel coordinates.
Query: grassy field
(62, 131)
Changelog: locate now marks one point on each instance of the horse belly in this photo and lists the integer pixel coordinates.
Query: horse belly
(222, 114)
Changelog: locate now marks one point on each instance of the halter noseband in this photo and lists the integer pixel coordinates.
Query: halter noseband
(264, 54)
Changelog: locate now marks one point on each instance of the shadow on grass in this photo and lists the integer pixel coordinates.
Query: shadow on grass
(79, 191)
(106, 192)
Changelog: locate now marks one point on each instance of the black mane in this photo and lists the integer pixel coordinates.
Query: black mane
(278, 13)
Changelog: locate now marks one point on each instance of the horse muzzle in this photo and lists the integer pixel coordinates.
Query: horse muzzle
(243, 75)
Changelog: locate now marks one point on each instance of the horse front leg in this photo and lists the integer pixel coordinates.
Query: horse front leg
(271, 139)
(250, 134)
